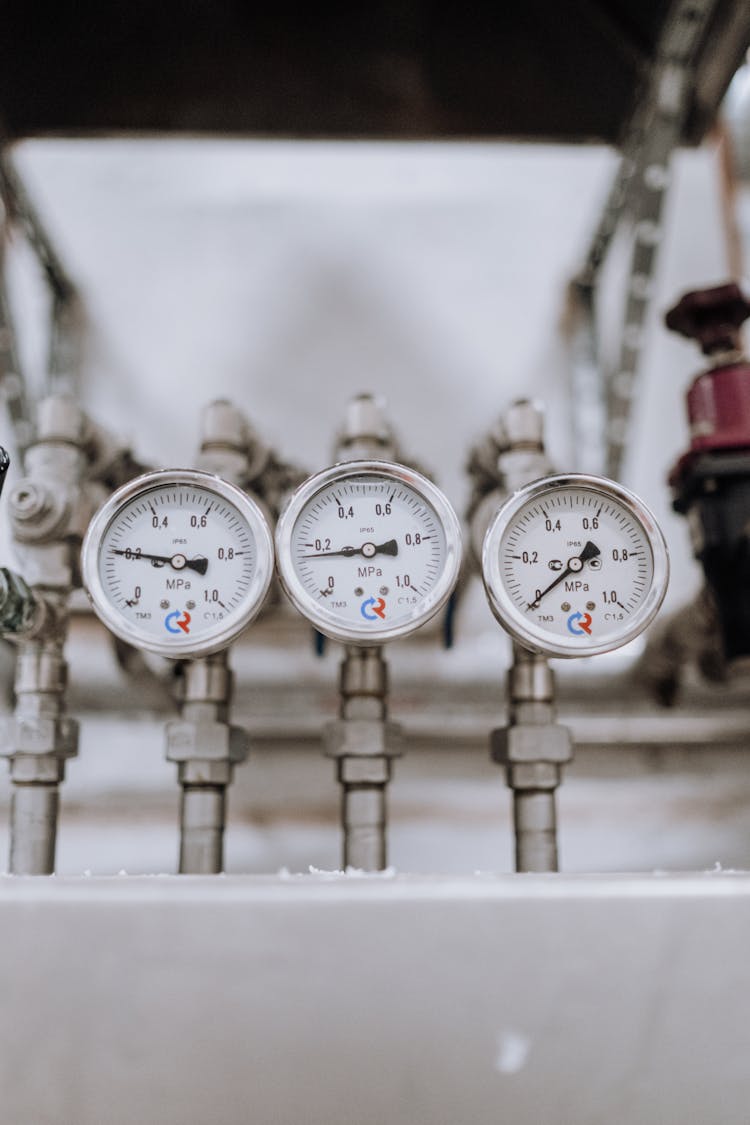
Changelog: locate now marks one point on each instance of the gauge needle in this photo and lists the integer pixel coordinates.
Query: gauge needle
(576, 564)
(177, 562)
(368, 550)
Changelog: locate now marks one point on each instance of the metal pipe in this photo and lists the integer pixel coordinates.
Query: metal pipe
(362, 741)
(533, 747)
(364, 696)
(202, 742)
(33, 828)
(202, 819)
(38, 739)
(206, 748)
(535, 825)
(363, 817)
(50, 508)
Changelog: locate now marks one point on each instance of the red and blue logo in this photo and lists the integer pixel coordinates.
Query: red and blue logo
(373, 609)
(579, 624)
(177, 622)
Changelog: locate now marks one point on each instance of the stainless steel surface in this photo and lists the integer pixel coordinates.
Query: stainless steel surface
(530, 678)
(202, 819)
(363, 742)
(366, 433)
(50, 508)
(533, 748)
(535, 829)
(364, 824)
(413, 1001)
(206, 749)
(33, 828)
(231, 448)
(37, 739)
(508, 457)
(363, 675)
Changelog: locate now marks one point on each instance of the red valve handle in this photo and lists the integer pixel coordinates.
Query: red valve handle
(712, 317)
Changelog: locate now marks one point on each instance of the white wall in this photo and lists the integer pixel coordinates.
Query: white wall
(288, 276)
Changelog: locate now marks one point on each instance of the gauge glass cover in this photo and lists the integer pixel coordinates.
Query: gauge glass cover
(574, 565)
(178, 562)
(368, 551)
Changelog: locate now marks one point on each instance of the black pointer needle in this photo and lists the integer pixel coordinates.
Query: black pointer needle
(369, 550)
(199, 565)
(590, 551)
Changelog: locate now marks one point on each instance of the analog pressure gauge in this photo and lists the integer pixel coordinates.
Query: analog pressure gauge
(368, 551)
(574, 565)
(178, 562)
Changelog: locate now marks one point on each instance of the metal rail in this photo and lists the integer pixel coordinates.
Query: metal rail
(638, 192)
(66, 320)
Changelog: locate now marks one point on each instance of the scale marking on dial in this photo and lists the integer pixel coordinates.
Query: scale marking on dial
(574, 565)
(178, 562)
(368, 551)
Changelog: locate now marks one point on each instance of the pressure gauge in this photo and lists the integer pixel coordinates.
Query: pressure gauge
(178, 562)
(574, 565)
(368, 551)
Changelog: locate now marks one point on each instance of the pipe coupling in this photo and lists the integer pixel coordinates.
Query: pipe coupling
(362, 738)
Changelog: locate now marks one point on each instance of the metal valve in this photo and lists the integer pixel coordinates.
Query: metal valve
(712, 317)
(711, 481)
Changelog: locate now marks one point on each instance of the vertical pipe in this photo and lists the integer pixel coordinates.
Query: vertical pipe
(33, 828)
(364, 768)
(364, 824)
(202, 816)
(535, 823)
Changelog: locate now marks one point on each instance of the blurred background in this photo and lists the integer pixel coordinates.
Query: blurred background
(449, 208)
(286, 213)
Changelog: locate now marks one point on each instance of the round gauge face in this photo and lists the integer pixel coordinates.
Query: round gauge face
(368, 551)
(574, 565)
(178, 562)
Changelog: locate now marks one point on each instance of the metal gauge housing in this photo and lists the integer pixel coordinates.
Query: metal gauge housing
(574, 565)
(368, 551)
(178, 562)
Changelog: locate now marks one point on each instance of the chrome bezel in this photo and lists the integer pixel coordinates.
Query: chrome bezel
(224, 634)
(326, 621)
(507, 613)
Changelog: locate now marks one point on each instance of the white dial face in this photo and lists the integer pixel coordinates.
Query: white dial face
(368, 551)
(178, 563)
(574, 566)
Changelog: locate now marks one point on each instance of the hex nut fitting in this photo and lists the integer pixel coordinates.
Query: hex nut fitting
(361, 738)
(530, 744)
(36, 769)
(36, 511)
(202, 772)
(60, 418)
(364, 771)
(524, 424)
(205, 742)
(534, 775)
(38, 736)
(28, 501)
(365, 416)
